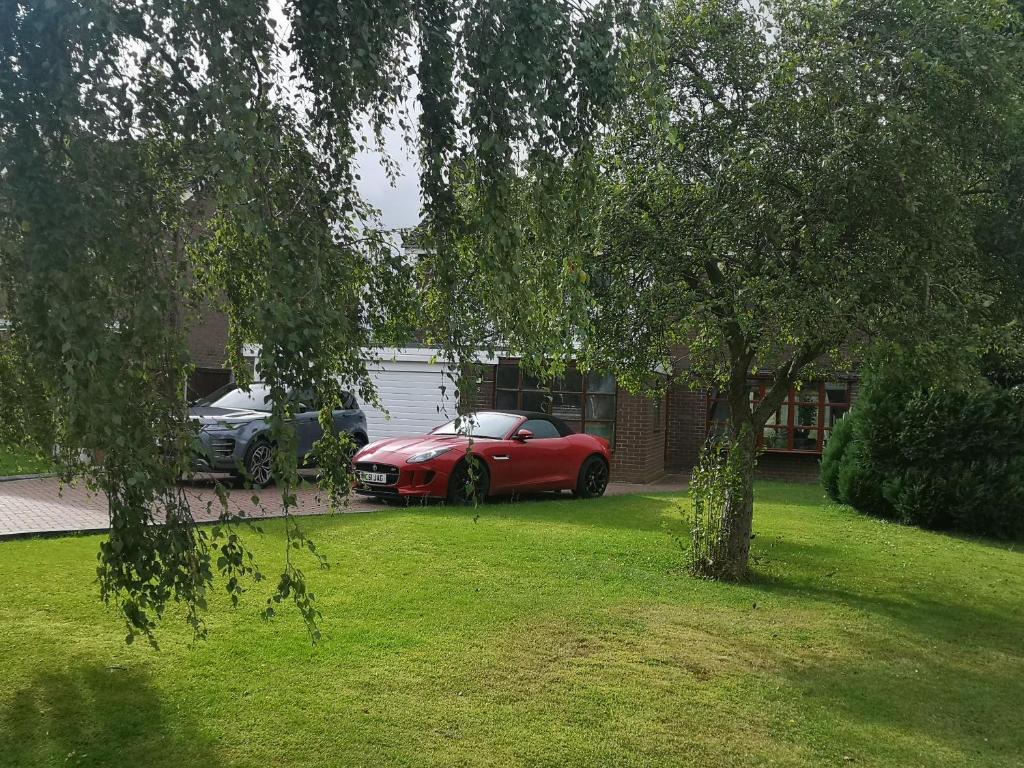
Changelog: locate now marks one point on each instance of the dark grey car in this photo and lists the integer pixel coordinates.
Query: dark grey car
(234, 430)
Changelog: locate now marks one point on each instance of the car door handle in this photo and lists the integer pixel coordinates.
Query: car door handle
(502, 458)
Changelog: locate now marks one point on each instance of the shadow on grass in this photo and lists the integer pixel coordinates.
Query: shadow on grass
(948, 674)
(92, 715)
(933, 664)
(989, 623)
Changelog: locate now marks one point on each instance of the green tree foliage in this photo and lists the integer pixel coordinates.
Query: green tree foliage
(160, 153)
(791, 179)
(937, 456)
(838, 442)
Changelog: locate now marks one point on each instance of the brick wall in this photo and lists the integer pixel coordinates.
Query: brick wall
(207, 337)
(793, 467)
(482, 397)
(639, 450)
(687, 416)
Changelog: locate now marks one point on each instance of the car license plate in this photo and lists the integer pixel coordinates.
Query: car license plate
(373, 477)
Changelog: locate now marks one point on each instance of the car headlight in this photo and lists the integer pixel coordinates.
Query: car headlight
(419, 458)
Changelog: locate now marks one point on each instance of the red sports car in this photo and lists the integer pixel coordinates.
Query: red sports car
(485, 453)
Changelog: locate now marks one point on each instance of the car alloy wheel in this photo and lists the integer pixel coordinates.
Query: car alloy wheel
(468, 487)
(260, 465)
(593, 478)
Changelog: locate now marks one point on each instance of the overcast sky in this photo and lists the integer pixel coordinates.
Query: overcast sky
(399, 204)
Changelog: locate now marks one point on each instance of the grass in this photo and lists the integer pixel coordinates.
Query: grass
(21, 462)
(551, 634)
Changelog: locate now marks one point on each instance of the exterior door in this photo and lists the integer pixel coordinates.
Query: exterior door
(415, 394)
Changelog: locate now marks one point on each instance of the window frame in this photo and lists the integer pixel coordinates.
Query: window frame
(791, 404)
(583, 392)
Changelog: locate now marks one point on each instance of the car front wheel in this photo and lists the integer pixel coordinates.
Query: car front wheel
(468, 484)
(259, 464)
(593, 478)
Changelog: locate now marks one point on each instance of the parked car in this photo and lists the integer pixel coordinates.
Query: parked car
(234, 432)
(485, 453)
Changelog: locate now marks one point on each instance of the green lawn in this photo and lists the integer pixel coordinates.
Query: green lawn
(559, 633)
(21, 462)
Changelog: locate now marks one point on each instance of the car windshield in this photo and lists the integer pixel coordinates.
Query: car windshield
(483, 425)
(231, 397)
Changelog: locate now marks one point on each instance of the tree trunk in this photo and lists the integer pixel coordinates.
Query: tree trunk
(722, 494)
(738, 510)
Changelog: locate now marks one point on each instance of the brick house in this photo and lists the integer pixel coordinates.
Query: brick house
(650, 437)
(654, 436)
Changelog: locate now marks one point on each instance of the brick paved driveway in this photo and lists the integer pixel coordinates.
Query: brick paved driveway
(41, 506)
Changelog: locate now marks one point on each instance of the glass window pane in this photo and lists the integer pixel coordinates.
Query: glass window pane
(572, 381)
(717, 428)
(719, 410)
(834, 413)
(601, 429)
(508, 376)
(808, 395)
(531, 382)
(506, 398)
(536, 401)
(780, 417)
(566, 405)
(806, 415)
(836, 392)
(775, 438)
(805, 439)
(600, 407)
(599, 382)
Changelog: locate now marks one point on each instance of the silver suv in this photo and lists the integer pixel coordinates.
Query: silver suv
(234, 430)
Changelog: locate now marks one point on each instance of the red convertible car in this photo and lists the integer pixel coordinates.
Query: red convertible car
(485, 453)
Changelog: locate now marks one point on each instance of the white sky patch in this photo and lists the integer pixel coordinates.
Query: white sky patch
(398, 200)
(399, 203)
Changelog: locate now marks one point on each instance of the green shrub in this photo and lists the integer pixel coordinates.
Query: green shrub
(859, 483)
(832, 456)
(941, 458)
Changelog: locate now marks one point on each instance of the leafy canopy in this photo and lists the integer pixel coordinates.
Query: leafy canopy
(159, 154)
(791, 179)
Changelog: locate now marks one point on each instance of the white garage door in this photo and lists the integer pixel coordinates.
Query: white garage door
(409, 387)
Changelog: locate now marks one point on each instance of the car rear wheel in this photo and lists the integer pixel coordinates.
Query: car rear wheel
(593, 478)
(259, 464)
(469, 483)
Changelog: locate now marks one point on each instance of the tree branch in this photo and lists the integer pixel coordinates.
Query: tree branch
(784, 379)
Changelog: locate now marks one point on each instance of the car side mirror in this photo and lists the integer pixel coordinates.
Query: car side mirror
(523, 435)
